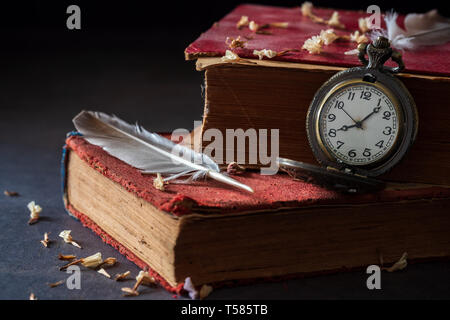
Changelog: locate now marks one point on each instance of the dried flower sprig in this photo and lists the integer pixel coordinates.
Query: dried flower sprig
(401, 264)
(46, 240)
(129, 292)
(32, 296)
(10, 193)
(92, 261)
(364, 24)
(122, 276)
(65, 234)
(145, 279)
(35, 210)
(313, 45)
(55, 284)
(358, 37)
(67, 257)
(108, 262)
(306, 9)
(265, 53)
(193, 293)
(235, 43)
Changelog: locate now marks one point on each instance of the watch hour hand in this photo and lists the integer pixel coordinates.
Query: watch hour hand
(345, 128)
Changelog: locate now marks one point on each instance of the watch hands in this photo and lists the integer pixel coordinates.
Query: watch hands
(345, 128)
(357, 124)
(375, 110)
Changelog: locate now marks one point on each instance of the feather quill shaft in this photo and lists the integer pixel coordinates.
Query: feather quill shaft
(146, 151)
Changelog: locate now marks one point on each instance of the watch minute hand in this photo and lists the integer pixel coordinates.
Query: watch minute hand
(375, 110)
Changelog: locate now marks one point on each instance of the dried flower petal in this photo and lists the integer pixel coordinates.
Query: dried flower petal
(67, 257)
(205, 291)
(401, 264)
(103, 272)
(65, 234)
(363, 24)
(46, 241)
(35, 210)
(243, 22)
(230, 56)
(190, 288)
(109, 261)
(306, 8)
(235, 168)
(32, 296)
(334, 21)
(313, 45)
(265, 53)
(253, 26)
(283, 25)
(235, 43)
(159, 182)
(55, 284)
(10, 193)
(122, 276)
(328, 36)
(358, 38)
(130, 292)
(92, 261)
(144, 278)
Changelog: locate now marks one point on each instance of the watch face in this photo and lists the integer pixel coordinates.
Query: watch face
(358, 123)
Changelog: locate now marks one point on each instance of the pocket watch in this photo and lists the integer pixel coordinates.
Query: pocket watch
(360, 123)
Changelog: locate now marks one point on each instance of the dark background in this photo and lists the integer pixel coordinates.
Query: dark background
(127, 59)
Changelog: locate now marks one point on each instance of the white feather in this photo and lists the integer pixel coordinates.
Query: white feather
(146, 151)
(421, 30)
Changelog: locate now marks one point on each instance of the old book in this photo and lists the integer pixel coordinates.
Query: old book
(215, 234)
(276, 93)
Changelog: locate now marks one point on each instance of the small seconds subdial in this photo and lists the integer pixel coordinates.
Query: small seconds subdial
(359, 124)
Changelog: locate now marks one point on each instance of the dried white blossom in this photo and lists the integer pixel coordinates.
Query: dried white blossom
(190, 288)
(313, 45)
(103, 272)
(230, 56)
(265, 53)
(306, 8)
(32, 296)
(401, 264)
(364, 24)
(144, 278)
(35, 210)
(334, 20)
(235, 43)
(92, 261)
(65, 234)
(358, 38)
(205, 291)
(130, 292)
(109, 261)
(243, 22)
(253, 26)
(328, 36)
(159, 182)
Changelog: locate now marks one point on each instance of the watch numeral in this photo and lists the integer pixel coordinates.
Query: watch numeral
(386, 115)
(332, 133)
(331, 117)
(352, 153)
(366, 95)
(379, 101)
(380, 143)
(339, 104)
(387, 131)
(339, 144)
(351, 96)
(366, 152)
